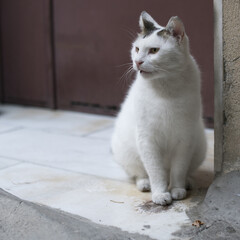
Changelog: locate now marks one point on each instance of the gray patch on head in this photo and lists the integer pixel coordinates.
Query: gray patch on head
(164, 33)
(149, 28)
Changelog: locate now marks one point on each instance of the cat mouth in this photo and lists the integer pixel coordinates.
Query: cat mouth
(141, 71)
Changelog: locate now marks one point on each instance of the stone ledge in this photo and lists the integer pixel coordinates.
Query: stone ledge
(220, 211)
(28, 221)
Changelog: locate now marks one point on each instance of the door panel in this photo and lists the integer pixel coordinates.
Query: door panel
(27, 52)
(93, 39)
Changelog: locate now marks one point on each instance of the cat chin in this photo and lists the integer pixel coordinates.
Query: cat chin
(145, 74)
(150, 76)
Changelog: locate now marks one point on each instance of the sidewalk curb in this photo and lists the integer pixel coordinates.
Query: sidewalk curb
(24, 220)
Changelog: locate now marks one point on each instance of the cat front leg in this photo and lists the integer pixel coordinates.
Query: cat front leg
(158, 177)
(179, 169)
(157, 172)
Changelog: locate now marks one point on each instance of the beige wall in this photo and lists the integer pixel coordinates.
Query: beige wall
(231, 84)
(227, 85)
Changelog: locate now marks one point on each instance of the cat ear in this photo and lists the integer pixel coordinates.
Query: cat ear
(147, 23)
(176, 28)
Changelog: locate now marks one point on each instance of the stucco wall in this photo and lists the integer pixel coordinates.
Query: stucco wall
(231, 84)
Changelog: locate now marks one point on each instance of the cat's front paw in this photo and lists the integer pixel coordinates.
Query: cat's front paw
(178, 193)
(162, 198)
(143, 185)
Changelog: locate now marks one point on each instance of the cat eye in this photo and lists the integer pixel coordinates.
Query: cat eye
(153, 50)
(137, 49)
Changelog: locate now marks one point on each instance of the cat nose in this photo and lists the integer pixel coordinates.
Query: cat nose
(138, 63)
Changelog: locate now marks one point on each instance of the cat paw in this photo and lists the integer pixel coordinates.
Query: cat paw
(162, 198)
(178, 193)
(143, 185)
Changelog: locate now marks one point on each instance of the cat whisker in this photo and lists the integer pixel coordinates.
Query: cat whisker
(130, 32)
(125, 64)
(127, 73)
(126, 76)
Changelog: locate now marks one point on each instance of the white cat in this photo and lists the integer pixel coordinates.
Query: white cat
(159, 134)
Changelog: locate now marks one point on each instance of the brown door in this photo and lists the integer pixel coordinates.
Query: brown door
(93, 39)
(1, 82)
(26, 52)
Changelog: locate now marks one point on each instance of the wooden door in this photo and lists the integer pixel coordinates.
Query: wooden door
(93, 39)
(27, 52)
(1, 82)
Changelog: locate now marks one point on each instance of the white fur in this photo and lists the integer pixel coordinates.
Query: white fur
(159, 132)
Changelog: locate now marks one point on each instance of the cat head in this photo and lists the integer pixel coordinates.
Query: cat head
(159, 51)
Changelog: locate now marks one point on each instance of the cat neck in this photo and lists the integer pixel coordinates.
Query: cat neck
(169, 85)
